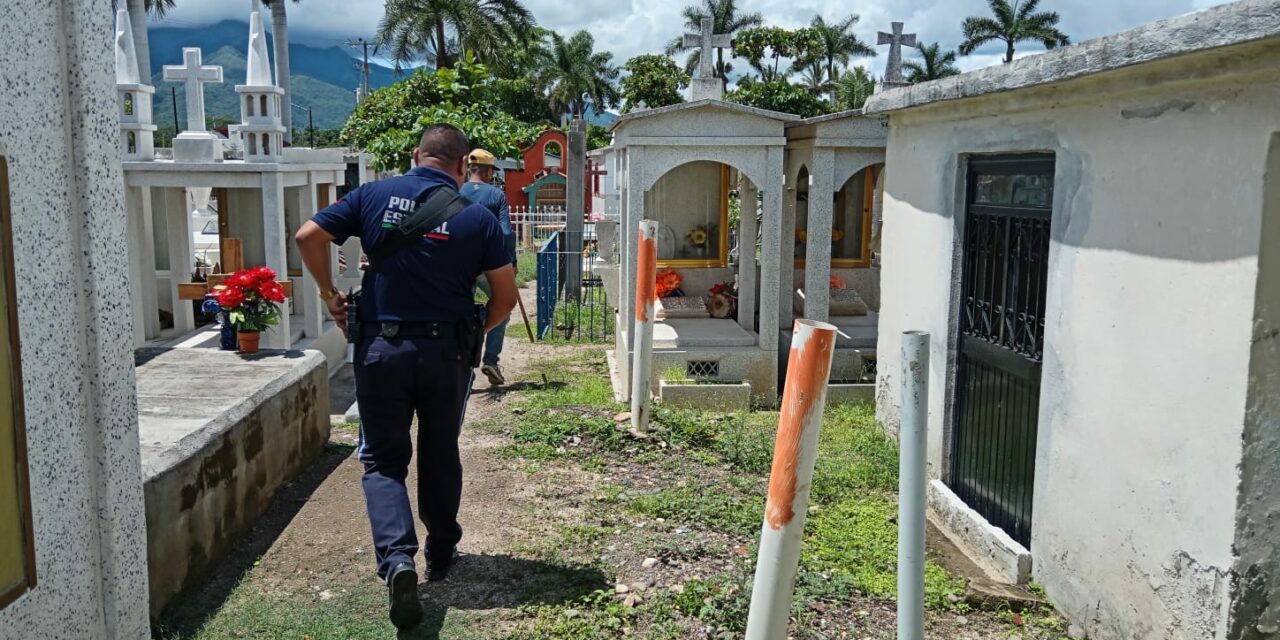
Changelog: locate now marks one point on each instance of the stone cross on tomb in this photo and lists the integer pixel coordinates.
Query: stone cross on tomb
(232, 261)
(195, 74)
(707, 41)
(896, 40)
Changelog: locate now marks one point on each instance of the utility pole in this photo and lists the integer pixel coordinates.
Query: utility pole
(363, 44)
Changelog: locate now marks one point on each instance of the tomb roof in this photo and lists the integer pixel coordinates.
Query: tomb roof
(701, 104)
(1228, 25)
(830, 117)
(126, 54)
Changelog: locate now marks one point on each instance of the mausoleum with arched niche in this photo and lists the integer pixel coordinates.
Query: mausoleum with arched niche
(711, 173)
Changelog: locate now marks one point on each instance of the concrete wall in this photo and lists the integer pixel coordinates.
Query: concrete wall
(1255, 591)
(203, 491)
(69, 248)
(1153, 274)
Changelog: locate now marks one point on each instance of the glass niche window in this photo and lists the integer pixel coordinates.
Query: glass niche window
(17, 550)
(851, 220)
(691, 205)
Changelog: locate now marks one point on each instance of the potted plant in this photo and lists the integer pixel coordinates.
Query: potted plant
(251, 298)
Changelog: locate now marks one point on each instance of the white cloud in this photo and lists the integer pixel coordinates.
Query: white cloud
(632, 27)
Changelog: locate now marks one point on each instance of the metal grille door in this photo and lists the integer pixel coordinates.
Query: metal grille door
(1006, 251)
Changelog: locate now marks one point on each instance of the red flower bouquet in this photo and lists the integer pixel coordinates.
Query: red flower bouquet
(251, 299)
(669, 283)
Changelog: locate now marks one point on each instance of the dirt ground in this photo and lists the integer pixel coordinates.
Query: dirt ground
(314, 544)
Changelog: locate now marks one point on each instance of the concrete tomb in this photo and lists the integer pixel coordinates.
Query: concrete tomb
(1086, 430)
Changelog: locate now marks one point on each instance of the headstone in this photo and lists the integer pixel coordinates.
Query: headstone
(195, 144)
(681, 308)
(706, 86)
(893, 69)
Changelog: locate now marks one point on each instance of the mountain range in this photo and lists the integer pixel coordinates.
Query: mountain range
(323, 79)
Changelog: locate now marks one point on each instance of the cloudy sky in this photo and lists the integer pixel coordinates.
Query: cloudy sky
(631, 27)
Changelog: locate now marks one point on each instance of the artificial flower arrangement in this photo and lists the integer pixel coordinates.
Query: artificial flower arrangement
(722, 299)
(251, 299)
(836, 282)
(669, 281)
(698, 236)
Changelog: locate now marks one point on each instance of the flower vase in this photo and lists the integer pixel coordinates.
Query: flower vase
(228, 337)
(249, 341)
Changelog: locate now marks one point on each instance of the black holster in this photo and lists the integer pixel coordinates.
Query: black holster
(471, 336)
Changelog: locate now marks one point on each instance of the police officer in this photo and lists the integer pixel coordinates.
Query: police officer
(408, 359)
(480, 190)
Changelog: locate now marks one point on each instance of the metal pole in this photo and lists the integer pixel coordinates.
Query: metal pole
(913, 439)
(642, 337)
(312, 126)
(794, 454)
(173, 97)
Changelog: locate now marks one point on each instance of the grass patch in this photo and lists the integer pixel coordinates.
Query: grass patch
(736, 507)
(526, 267)
(586, 321)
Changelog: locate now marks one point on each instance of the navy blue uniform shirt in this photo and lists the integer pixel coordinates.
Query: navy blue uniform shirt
(432, 281)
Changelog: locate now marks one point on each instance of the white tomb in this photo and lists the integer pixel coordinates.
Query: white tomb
(137, 133)
(261, 199)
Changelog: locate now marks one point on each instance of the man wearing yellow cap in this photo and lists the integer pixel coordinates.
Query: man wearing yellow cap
(479, 189)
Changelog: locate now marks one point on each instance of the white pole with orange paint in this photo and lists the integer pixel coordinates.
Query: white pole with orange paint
(794, 454)
(642, 336)
(913, 440)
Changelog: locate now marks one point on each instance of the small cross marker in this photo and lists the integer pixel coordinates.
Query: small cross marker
(706, 42)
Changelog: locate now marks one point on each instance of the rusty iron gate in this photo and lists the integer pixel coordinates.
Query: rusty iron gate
(1001, 338)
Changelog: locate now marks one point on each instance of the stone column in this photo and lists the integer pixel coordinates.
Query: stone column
(307, 296)
(772, 251)
(817, 271)
(747, 265)
(181, 260)
(634, 213)
(274, 251)
(142, 265)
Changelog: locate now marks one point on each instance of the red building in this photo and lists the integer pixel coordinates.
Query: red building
(540, 182)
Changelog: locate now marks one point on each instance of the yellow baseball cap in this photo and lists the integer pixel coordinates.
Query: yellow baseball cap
(482, 157)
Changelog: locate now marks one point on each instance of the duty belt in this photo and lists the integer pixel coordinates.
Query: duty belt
(420, 330)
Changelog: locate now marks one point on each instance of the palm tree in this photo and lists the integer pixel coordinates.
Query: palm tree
(138, 10)
(280, 42)
(573, 73)
(814, 78)
(838, 44)
(935, 64)
(727, 20)
(853, 88)
(442, 31)
(1013, 24)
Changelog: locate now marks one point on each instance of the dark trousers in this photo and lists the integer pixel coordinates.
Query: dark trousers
(394, 380)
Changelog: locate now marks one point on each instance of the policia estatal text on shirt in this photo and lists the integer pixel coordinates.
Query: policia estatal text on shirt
(407, 357)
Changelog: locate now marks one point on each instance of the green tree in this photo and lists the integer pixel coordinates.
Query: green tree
(853, 89)
(814, 78)
(654, 80)
(574, 74)
(727, 20)
(836, 43)
(779, 95)
(389, 123)
(934, 64)
(280, 42)
(1013, 24)
(775, 43)
(598, 137)
(444, 31)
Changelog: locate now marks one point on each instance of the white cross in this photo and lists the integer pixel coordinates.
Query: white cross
(706, 41)
(193, 72)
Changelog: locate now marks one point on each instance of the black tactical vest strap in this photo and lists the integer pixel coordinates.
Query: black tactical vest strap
(442, 204)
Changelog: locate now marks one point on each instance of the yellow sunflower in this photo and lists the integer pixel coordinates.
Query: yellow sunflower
(697, 237)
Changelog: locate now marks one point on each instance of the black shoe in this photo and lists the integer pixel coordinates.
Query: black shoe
(406, 610)
(438, 566)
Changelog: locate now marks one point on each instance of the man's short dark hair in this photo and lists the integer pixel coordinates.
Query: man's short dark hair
(444, 142)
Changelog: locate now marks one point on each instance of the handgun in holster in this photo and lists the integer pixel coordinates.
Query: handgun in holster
(353, 316)
(471, 336)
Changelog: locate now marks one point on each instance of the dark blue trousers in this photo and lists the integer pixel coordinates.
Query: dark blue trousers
(396, 379)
